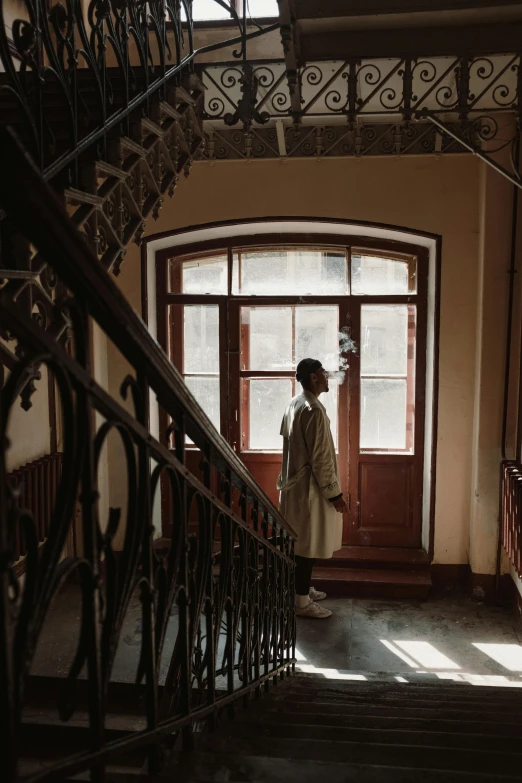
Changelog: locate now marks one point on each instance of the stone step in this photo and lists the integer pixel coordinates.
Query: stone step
(494, 742)
(387, 693)
(284, 718)
(419, 682)
(333, 707)
(207, 768)
(375, 557)
(388, 583)
(341, 751)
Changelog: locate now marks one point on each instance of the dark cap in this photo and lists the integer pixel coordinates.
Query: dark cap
(306, 367)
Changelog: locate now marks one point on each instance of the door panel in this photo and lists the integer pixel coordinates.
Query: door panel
(387, 423)
(386, 505)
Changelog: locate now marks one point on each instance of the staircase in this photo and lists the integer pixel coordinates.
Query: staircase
(124, 180)
(309, 729)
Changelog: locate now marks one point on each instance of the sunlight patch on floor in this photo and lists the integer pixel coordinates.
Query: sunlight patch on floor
(508, 655)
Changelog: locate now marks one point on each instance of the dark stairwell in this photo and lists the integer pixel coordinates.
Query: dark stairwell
(215, 633)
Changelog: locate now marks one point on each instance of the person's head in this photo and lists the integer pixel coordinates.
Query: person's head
(312, 376)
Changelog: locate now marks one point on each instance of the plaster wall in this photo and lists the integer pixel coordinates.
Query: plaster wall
(437, 195)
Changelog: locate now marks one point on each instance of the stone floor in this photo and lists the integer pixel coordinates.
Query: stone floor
(397, 638)
(451, 638)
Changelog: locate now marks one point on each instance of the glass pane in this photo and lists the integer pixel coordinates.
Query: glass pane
(201, 339)
(290, 272)
(383, 414)
(206, 392)
(330, 402)
(384, 339)
(268, 399)
(259, 8)
(373, 275)
(205, 276)
(317, 335)
(268, 343)
(208, 9)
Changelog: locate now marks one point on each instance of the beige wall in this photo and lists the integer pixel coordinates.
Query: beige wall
(29, 431)
(439, 195)
(496, 199)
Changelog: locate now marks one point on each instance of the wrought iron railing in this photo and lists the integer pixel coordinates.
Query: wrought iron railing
(75, 72)
(360, 106)
(33, 487)
(511, 511)
(234, 627)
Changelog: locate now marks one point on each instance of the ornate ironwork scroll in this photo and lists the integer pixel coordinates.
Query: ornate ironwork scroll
(215, 601)
(104, 97)
(363, 107)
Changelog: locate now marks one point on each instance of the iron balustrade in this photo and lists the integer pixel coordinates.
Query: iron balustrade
(360, 106)
(75, 72)
(511, 511)
(33, 486)
(235, 627)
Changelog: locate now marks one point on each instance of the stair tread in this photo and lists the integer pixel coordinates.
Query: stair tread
(380, 691)
(414, 575)
(263, 769)
(392, 754)
(497, 743)
(285, 717)
(383, 555)
(339, 708)
(422, 682)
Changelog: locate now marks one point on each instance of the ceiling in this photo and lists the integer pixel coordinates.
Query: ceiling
(326, 29)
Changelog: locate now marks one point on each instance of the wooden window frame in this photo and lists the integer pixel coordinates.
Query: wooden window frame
(230, 304)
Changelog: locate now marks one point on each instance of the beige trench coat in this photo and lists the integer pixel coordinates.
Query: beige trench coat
(309, 477)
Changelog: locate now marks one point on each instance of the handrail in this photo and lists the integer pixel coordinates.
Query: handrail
(236, 625)
(23, 193)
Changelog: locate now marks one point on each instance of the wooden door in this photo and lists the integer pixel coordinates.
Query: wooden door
(238, 348)
(387, 391)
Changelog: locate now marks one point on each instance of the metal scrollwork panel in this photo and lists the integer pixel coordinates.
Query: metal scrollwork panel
(70, 67)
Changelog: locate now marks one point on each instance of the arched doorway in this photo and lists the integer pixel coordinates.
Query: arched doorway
(237, 313)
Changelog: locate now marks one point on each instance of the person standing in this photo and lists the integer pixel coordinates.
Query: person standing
(310, 494)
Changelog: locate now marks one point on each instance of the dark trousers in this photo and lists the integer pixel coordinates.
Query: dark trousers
(303, 574)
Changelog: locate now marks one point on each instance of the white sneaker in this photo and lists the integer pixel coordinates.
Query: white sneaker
(314, 611)
(316, 595)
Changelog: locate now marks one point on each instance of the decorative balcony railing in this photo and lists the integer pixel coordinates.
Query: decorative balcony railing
(360, 106)
(218, 628)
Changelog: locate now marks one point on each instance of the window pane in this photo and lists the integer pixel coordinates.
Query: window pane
(208, 9)
(201, 339)
(317, 335)
(373, 275)
(330, 402)
(205, 276)
(206, 392)
(268, 399)
(268, 345)
(384, 339)
(383, 414)
(290, 272)
(261, 8)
